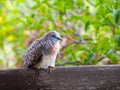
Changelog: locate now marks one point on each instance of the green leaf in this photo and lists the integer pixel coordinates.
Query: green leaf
(90, 57)
(116, 15)
(87, 25)
(117, 39)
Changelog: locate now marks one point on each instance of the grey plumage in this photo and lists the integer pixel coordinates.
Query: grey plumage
(42, 52)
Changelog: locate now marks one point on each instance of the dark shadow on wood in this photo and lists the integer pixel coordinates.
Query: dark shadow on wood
(63, 78)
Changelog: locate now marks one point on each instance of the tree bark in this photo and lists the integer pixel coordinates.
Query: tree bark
(62, 78)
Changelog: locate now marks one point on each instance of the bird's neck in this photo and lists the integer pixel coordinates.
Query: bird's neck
(54, 40)
(48, 45)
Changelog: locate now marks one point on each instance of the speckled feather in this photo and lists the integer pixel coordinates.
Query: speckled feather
(39, 50)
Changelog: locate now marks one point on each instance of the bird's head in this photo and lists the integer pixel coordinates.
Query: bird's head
(54, 35)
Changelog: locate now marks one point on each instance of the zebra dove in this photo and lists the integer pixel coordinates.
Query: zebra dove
(42, 53)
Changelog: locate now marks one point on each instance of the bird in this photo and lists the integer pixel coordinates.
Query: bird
(42, 53)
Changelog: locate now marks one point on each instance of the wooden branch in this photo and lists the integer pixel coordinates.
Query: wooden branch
(73, 42)
(62, 78)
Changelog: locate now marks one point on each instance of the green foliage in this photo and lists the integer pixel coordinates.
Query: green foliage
(90, 29)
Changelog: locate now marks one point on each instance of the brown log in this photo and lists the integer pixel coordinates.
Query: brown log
(62, 78)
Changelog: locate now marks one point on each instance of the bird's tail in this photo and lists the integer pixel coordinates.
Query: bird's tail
(25, 66)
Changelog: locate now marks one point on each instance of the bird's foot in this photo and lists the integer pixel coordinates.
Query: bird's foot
(36, 70)
(49, 69)
(41, 69)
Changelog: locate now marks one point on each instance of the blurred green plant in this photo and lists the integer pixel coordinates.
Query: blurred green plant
(90, 30)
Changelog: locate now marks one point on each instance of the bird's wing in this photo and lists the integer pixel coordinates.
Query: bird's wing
(33, 55)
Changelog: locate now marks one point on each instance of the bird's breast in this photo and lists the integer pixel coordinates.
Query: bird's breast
(56, 48)
(49, 59)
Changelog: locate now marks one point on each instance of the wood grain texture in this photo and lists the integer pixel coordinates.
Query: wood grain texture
(62, 78)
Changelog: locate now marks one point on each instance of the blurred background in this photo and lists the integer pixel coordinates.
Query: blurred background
(90, 30)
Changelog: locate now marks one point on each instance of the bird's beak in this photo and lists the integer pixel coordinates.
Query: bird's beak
(60, 39)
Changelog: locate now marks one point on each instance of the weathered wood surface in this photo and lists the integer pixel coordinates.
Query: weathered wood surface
(62, 78)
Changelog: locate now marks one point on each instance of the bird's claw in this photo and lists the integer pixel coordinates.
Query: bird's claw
(49, 69)
(37, 71)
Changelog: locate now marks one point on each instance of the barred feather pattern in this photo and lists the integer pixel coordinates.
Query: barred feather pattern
(36, 50)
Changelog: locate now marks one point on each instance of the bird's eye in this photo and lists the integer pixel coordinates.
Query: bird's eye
(53, 35)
